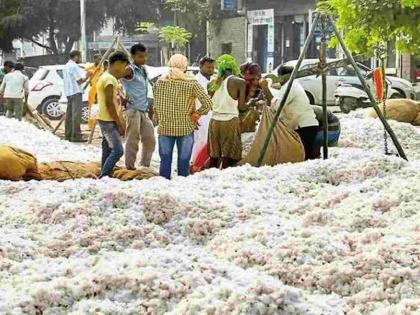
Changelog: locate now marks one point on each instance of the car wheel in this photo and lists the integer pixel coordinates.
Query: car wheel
(51, 108)
(311, 98)
(397, 95)
(347, 104)
(85, 114)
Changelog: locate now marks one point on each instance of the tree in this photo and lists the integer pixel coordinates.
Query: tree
(127, 14)
(367, 24)
(7, 9)
(176, 37)
(59, 20)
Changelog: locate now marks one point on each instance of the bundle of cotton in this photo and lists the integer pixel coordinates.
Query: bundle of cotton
(159, 209)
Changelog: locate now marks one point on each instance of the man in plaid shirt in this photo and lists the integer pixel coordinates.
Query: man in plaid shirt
(174, 104)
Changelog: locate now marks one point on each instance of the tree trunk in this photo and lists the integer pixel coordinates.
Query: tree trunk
(69, 45)
(51, 33)
(51, 40)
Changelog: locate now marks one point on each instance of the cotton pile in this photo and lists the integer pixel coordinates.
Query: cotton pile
(44, 145)
(320, 237)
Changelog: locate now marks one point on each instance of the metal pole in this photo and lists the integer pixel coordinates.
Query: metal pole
(323, 65)
(83, 41)
(369, 92)
(287, 92)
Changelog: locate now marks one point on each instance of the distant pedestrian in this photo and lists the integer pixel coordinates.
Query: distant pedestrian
(74, 77)
(139, 125)
(112, 127)
(207, 69)
(96, 69)
(175, 95)
(225, 143)
(15, 90)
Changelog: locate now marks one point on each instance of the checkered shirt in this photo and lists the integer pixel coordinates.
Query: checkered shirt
(174, 103)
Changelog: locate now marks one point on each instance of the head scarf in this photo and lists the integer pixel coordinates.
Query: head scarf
(178, 64)
(225, 63)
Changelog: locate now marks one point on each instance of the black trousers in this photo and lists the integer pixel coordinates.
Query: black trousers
(308, 135)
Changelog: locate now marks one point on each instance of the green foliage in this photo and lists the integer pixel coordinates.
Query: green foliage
(7, 8)
(193, 14)
(144, 27)
(128, 14)
(177, 37)
(60, 20)
(369, 23)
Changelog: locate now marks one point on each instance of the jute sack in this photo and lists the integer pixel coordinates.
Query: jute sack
(285, 145)
(16, 164)
(126, 175)
(249, 120)
(62, 170)
(416, 121)
(402, 110)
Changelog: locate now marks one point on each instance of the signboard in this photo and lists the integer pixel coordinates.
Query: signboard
(229, 5)
(262, 17)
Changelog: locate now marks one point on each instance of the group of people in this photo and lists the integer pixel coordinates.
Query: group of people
(194, 113)
(14, 89)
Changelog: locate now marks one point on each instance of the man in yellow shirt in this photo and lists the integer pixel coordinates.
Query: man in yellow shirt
(96, 69)
(112, 127)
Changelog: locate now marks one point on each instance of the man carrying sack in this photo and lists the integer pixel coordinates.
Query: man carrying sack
(297, 113)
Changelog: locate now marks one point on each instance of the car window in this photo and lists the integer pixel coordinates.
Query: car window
(346, 72)
(54, 77)
(307, 66)
(60, 73)
(40, 74)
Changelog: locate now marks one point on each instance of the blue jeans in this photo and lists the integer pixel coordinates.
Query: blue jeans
(112, 149)
(166, 147)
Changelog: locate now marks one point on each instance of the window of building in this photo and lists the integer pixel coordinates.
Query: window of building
(227, 48)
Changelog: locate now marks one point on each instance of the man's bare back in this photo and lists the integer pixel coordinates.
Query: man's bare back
(237, 90)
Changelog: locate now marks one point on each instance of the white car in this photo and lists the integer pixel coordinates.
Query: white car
(46, 89)
(345, 75)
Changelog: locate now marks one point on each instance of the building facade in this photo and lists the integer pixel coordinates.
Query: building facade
(275, 32)
(271, 32)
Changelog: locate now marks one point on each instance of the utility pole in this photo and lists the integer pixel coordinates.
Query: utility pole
(83, 41)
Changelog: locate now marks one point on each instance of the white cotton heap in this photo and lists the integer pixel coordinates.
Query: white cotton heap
(319, 237)
(43, 144)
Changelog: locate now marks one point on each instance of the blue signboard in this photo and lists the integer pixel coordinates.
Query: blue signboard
(229, 5)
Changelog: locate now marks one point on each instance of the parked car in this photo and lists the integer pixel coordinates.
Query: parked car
(45, 90)
(345, 75)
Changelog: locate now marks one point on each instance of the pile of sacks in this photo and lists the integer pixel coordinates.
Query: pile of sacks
(402, 110)
(17, 164)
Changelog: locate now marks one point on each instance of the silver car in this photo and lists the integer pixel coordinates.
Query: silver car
(346, 75)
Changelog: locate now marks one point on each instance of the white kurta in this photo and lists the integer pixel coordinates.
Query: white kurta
(201, 135)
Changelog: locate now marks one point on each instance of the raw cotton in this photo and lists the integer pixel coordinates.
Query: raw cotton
(318, 237)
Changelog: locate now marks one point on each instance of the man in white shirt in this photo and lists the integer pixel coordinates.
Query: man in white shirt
(297, 113)
(74, 76)
(207, 68)
(13, 88)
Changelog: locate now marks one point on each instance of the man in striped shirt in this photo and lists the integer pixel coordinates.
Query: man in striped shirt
(174, 104)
